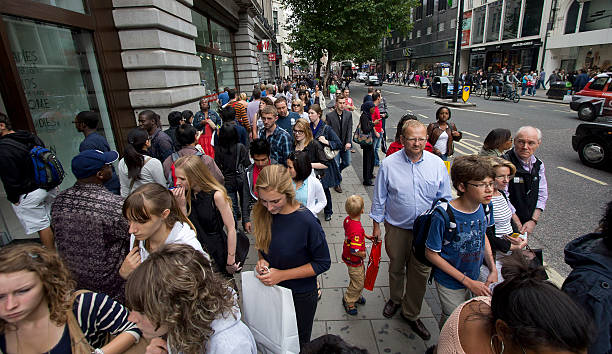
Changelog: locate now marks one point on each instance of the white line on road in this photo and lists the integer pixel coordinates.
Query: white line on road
(568, 111)
(391, 92)
(462, 152)
(424, 116)
(468, 133)
(484, 112)
(466, 146)
(472, 143)
(583, 176)
(427, 98)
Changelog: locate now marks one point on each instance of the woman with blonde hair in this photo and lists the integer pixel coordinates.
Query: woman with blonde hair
(209, 208)
(184, 307)
(155, 219)
(297, 105)
(289, 256)
(40, 314)
(304, 141)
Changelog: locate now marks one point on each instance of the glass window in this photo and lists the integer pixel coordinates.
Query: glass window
(72, 5)
(599, 83)
(59, 73)
(440, 26)
(478, 18)
(532, 18)
(429, 30)
(596, 15)
(572, 18)
(494, 22)
(430, 7)
(207, 75)
(225, 71)
(442, 5)
(410, 35)
(512, 16)
(419, 11)
(221, 39)
(418, 33)
(452, 23)
(201, 23)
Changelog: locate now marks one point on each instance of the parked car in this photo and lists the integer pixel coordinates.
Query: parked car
(361, 77)
(593, 141)
(434, 89)
(595, 99)
(373, 80)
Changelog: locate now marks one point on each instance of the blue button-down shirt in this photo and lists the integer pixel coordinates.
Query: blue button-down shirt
(405, 189)
(281, 144)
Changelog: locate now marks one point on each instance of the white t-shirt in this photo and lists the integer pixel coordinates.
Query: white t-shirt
(502, 216)
(442, 142)
(181, 233)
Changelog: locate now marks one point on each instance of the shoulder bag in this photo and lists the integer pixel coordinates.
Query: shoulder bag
(361, 138)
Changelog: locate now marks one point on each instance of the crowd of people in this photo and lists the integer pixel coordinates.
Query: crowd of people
(154, 241)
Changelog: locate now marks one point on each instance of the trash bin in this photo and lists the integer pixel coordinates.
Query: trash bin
(443, 90)
(558, 89)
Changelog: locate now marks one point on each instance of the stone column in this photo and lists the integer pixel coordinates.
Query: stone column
(246, 51)
(158, 53)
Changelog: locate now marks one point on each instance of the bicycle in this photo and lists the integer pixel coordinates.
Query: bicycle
(511, 95)
(480, 89)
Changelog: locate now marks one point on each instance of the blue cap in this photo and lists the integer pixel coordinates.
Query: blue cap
(89, 162)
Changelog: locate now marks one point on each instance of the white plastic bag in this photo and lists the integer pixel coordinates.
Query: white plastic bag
(270, 315)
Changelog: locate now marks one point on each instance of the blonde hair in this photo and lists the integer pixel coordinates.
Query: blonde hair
(53, 274)
(411, 123)
(243, 96)
(354, 205)
(198, 175)
(271, 178)
(176, 287)
(499, 162)
(298, 101)
(303, 124)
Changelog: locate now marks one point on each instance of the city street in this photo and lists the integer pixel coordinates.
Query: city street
(577, 193)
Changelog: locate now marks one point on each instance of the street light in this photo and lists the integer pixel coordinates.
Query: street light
(457, 51)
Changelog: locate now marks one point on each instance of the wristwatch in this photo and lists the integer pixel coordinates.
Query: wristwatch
(98, 351)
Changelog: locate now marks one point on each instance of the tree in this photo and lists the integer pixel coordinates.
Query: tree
(344, 30)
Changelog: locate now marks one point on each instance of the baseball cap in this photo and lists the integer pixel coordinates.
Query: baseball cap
(89, 162)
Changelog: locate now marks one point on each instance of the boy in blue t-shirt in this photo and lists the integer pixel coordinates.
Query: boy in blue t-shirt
(457, 256)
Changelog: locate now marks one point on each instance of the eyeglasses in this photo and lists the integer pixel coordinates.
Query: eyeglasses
(504, 177)
(414, 140)
(298, 132)
(481, 185)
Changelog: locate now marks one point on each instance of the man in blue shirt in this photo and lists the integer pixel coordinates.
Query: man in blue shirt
(223, 97)
(86, 122)
(281, 143)
(407, 184)
(286, 119)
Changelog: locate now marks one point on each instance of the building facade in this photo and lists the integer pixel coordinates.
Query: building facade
(431, 41)
(119, 57)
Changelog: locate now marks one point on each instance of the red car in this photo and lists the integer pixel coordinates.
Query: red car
(595, 99)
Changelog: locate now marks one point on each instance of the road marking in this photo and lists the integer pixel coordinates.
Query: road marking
(568, 111)
(424, 116)
(474, 143)
(462, 152)
(427, 98)
(560, 103)
(484, 112)
(466, 146)
(583, 176)
(395, 93)
(468, 133)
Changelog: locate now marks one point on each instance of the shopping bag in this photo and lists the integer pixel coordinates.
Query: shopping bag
(269, 313)
(373, 263)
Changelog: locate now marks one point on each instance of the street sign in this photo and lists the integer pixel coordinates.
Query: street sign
(271, 56)
(465, 95)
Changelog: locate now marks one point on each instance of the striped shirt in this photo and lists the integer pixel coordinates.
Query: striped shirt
(502, 215)
(241, 114)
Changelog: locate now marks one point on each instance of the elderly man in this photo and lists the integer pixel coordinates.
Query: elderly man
(528, 190)
(90, 231)
(406, 186)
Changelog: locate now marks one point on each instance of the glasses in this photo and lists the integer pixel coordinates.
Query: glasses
(296, 105)
(415, 140)
(298, 132)
(504, 177)
(481, 185)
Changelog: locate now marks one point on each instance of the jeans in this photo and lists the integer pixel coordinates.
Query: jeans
(328, 210)
(523, 89)
(376, 146)
(541, 82)
(305, 305)
(232, 192)
(345, 156)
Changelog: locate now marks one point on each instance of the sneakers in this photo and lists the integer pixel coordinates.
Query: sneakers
(352, 309)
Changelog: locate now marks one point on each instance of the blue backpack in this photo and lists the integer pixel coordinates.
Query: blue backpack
(48, 170)
(422, 224)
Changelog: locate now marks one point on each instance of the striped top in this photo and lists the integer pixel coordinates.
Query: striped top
(502, 215)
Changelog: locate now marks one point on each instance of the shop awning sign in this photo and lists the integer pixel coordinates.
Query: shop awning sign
(263, 45)
(271, 56)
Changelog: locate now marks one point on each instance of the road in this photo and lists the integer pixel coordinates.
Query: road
(577, 194)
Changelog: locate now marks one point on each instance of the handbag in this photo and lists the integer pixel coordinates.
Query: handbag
(242, 247)
(360, 138)
(329, 153)
(373, 264)
(269, 313)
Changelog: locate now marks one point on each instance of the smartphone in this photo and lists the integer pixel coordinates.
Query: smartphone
(514, 235)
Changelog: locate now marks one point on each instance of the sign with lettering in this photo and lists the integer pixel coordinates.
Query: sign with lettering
(271, 56)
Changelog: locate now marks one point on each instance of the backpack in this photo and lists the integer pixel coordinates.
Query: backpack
(422, 225)
(171, 178)
(48, 170)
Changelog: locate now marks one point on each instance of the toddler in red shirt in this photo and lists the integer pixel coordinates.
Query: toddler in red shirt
(353, 253)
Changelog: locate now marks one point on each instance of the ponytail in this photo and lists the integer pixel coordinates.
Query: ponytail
(133, 157)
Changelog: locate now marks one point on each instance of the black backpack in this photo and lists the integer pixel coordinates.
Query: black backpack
(422, 225)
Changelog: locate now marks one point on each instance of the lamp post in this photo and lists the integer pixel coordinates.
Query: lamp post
(457, 51)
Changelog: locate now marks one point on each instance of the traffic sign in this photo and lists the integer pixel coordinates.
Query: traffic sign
(271, 56)
(465, 95)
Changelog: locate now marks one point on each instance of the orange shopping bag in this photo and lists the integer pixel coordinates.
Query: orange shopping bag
(373, 263)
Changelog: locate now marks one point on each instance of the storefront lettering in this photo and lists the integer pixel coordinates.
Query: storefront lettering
(39, 103)
(26, 57)
(45, 122)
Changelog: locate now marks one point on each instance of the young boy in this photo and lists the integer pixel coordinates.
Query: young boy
(353, 253)
(458, 253)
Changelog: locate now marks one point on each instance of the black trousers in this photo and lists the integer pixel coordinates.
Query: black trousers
(305, 307)
(368, 163)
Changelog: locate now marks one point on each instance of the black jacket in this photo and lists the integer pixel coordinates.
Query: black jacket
(589, 284)
(16, 168)
(344, 130)
(524, 193)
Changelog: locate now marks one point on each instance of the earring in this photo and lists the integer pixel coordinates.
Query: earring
(502, 344)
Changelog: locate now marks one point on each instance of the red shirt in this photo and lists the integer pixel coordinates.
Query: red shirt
(375, 116)
(354, 241)
(349, 103)
(256, 171)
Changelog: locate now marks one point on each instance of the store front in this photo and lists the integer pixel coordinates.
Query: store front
(516, 56)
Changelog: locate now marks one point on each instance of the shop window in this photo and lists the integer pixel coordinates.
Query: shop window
(572, 18)
(419, 11)
(429, 30)
(441, 27)
(512, 16)
(599, 84)
(72, 5)
(207, 73)
(418, 33)
(479, 21)
(532, 18)
(225, 71)
(494, 22)
(430, 7)
(442, 5)
(596, 15)
(59, 73)
(221, 39)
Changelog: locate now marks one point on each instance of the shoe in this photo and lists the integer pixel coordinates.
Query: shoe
(338, 188)
(350, 309)
(390, 309)
(368, 183)
(418, 327)
(327, 217)
(361, 301)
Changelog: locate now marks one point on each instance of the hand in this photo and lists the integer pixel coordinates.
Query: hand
(16, 204)
(347, 146)
(157, 346)
(248, 227)
(478, 288)
(376, 232)
(528, 227)
(130, 263)
(273, 277)
(517, 243)
(323, 140)
(492, 278)
(377, 134)
(262, 266)
(179, 195)
(455, 133)
(198, 134)
(232, 266)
